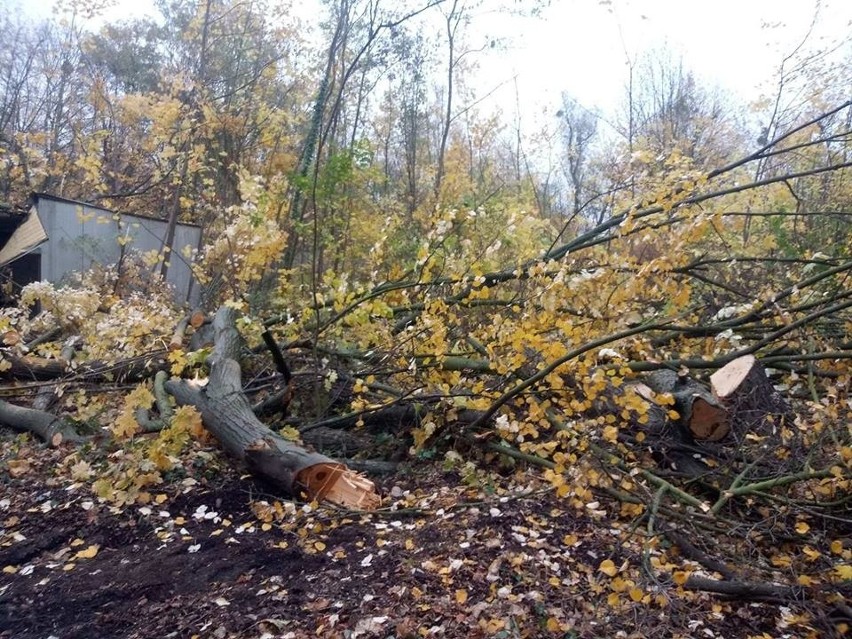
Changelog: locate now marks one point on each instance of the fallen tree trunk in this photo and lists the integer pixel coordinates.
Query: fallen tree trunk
(31, 367)
(227, 414)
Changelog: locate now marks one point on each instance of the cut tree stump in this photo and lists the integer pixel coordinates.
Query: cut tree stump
(227, 414)
(702, 414)
(752, 402)
(197, 318)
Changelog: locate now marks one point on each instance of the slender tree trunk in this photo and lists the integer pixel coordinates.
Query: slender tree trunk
(453, 20)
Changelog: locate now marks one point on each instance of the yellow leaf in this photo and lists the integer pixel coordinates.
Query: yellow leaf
(68, 567)
(613, 599)
(265, 527)
(409, 544)
(553, 624)
(10, 570)
(802, 528)
(237, 305)
(636, 594)
(493, 626)
(187, 419)
(804, 580)
(103, 489)
(290, 434)
(836, 546)
(607, 567)
(812, 553)
(161, 498)
(88, 553)
(570, 540)
(77, 542)
(781, 561)
(461, 596)
(620, 585)
(844, 572)
(319, 545)
(610, 434)
(680, 577)
(126, 425)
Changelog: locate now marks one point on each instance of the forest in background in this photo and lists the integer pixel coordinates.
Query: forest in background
(436, 283)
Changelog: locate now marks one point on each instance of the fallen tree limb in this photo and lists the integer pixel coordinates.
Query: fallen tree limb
(45, 397)
(547, 370)
(134, 369)
(691, 551)
(745, 589)
(164, 407)
(176, 343)
(50, 428)
(227, 414)
(49, 336)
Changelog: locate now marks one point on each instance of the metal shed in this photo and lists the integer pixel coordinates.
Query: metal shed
(58, 237)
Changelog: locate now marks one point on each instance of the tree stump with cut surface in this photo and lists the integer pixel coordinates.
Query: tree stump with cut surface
(753, 404)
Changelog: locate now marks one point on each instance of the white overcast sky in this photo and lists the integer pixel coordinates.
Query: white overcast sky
(582, 46)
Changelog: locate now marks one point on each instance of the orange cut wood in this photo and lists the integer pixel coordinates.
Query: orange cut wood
(339, 485)
(197, 318)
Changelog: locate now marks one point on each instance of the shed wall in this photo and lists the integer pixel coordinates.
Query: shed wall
(81, 236)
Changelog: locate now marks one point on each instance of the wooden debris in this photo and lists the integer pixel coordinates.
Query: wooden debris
(176, 343)
(45, 397)
(339, 485)
(69, 349)
(747, 393)
(701, 413)
(227, 414)
(50, 428)
(197, 318)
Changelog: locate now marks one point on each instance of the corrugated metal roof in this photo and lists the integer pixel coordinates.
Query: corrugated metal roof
(28, 236)
(47, 196)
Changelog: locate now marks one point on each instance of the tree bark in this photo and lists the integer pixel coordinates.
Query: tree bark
(176, 343)
(227, 414)
(747, 393)
(701, 414)
(32, 367)
(50, 428)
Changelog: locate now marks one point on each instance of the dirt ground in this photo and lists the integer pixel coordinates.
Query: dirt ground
(218, 557)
